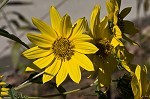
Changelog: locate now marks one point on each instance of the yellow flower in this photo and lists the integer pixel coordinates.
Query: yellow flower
(117, 25)
(140, 84)
(113, 10)
(3, 91)
(60, 48)
(103, 60)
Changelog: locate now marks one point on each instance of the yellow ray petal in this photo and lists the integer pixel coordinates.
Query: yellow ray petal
(65, 26)
(74, 71)
(4, 93)
(115, 42)
(82, 38)
(144, 80)
(138, 72)
(117, 32)
(62, 73)
(2, 83)
(55, 19)
(51, 71)
(110, 7)
(40, 40)
(83, 61)
(103, 24)
(85, 48)
(32, 67)
(95, 21)
(35, 52)
(45, 61)
(44, 28)
(136, 87)
(78, 28)
(4, 89)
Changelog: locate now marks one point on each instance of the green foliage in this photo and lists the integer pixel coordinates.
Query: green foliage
(101, 95)
(12, 93)
(125, 12)
(124, 86)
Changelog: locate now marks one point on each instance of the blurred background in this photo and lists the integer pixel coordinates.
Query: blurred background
(16, 16)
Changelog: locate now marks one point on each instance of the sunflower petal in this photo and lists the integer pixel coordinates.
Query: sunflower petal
(43, 62)
(65, 26)
(110, 7)
(35, 52)
(44, 27)
(95, 21)
(85, 48)
(51, 71)
(74, 71)
(78, 28)
(55, 19)
(40, 40)
(117, 32)
(144, 80)
(135, 87)
(82, 38)
(83, 61)
(32, 67)
(62, 73)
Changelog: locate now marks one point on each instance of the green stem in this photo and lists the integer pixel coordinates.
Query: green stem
(28, 82)
(68, 92)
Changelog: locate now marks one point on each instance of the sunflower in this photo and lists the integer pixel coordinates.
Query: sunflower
(117, 25)
(140, 84)
(104, 61)
(60, 49)
(113, 10)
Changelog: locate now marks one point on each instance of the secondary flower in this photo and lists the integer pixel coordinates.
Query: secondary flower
(117, 24)
(60, 48)
(140, 84)
(104, 61)
(3, 90)
(113, 10)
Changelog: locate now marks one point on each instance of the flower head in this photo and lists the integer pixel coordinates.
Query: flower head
(117, 25)
(60, 48)
(140, 84)
(103, 60)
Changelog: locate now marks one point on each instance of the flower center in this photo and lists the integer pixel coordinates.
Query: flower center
(104, 48)
(63, 49)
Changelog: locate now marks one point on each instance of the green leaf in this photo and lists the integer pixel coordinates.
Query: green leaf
(129, 40)
(129, 27)
(12, 93)
(12, 37)
(3, 3)
(125, 12)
